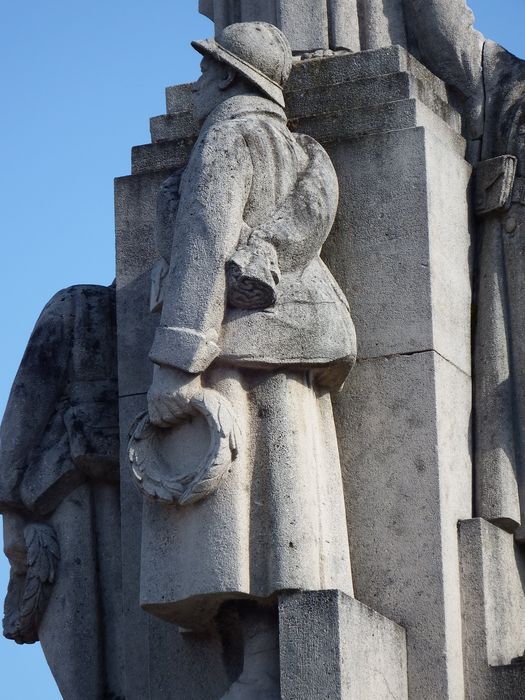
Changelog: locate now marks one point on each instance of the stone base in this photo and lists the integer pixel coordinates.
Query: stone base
(493, 603)
(334, 648)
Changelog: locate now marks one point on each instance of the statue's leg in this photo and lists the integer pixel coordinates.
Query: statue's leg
(258, 627)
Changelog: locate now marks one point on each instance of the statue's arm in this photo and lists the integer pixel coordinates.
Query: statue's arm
(34, 395)
(207, 231)
(449, 45)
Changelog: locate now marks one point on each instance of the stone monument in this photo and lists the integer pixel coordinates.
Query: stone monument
(313, 504)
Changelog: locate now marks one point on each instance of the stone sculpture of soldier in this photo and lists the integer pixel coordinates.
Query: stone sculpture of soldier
(59, 494)
(254, 325)
(492, 81)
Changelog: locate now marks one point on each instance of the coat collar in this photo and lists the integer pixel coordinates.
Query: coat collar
(241, 105)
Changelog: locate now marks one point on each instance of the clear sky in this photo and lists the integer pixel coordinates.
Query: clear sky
(80, 81)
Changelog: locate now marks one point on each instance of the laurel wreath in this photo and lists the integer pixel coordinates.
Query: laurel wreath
(151, 472)
(21, 624)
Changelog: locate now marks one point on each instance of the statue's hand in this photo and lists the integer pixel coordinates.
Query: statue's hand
(170, 394)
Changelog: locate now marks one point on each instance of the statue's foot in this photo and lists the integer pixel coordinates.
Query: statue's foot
(260, 678)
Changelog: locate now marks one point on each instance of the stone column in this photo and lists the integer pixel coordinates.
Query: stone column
(400, 250)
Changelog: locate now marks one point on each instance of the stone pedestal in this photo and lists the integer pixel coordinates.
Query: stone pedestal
(334, 648)
(493, 603)
(400, 250)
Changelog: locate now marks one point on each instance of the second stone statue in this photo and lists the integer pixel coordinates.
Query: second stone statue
(238, 457)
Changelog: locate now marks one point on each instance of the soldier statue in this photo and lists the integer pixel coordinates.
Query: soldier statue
(253, 324)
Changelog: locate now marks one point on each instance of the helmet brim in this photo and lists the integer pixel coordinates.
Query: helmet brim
(209, 47)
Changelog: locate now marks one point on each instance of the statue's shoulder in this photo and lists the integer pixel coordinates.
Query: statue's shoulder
(78, 295)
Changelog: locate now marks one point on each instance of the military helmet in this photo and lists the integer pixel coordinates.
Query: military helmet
(258, 51)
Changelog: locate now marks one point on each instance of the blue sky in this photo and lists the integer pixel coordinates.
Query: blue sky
(80, 81)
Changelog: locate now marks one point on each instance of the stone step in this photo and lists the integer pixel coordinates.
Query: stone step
(363, 94)
(366, 64)
(179, 99)
(168, 127)
(341, 122)
(367, 93)
(321, 72)
(165, 155)
(334, 648)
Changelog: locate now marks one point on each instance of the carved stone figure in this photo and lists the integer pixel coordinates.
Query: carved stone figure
(493, 82)
(254, 331)
(59, 494)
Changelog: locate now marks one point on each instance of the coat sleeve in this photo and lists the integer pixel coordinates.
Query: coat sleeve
(37, 387)
(448, 43)
(214, 192)
(300, 226)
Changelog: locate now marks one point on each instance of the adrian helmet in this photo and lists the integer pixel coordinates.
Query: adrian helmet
(258, 51)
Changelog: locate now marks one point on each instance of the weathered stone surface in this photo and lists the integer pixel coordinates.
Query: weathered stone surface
(135, 211)
(59, 494)
(493, 604)
(407, 241)
(161, 661)
(179, 98)
(231, 559)
(308, 24)
(492, 82)
(403, 427)
(418, 224)
(381, 23)
(334, 648)
(344, 96)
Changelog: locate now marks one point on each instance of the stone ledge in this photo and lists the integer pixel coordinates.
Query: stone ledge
(493, 604)
(333, 647)
(340, 124)
(321, 72)
(313, 101)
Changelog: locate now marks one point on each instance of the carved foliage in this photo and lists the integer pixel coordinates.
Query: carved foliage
(154, 476)
(28, 597)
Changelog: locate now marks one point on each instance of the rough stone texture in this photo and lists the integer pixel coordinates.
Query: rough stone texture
(403, 424)
(403, 419)
(381, 23)
(253, 333)
(59, 494)
(334, 648)
(491, 82)
(493, 604)
(310, 24)
(373, 79)
(422, 302)
(161, 661)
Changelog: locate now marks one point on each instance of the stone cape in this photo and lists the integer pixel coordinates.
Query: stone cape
(277, 520)
(59, 468)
